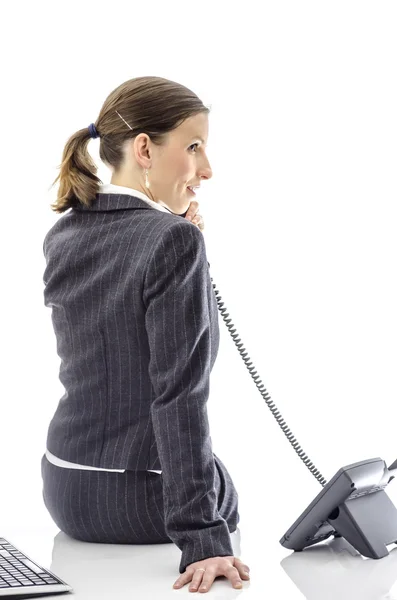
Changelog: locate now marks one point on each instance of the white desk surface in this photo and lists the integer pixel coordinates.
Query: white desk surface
(326, 571)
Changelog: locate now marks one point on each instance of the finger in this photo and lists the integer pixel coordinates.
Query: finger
(242, 568)
(234, 576)
(208, 580)
(197, 577)
(192, 217)
(184, 578)
(192, 210)
(193, 207)
(244, 571)
(199, 221)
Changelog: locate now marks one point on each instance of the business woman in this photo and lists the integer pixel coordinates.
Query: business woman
(129, 455)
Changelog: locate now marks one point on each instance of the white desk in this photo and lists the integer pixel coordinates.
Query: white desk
(103, 571)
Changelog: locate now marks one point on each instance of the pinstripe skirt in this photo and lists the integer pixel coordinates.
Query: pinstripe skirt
(120, 508)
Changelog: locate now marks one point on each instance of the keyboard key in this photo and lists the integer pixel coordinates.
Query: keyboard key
(31, 565)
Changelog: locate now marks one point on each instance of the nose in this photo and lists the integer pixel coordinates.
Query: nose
(205, 172)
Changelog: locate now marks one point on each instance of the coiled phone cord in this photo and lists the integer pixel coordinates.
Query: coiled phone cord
(259, 385)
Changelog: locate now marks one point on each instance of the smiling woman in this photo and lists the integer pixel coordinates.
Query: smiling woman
(163, 158)
(129, 456)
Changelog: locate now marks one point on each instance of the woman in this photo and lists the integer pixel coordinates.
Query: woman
(129, 455)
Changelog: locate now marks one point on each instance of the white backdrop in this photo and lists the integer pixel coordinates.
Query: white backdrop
(300, 222)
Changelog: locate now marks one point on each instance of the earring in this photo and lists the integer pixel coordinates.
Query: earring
(147, 181)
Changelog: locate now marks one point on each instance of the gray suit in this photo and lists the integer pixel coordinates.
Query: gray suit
(136, 324)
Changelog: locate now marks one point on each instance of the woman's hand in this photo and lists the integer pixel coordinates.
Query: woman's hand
(194, 216)
(227, 566)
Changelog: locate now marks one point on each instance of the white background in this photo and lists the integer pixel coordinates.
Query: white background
(300, 227)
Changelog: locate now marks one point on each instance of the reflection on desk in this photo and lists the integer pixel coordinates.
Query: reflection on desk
(336, 570)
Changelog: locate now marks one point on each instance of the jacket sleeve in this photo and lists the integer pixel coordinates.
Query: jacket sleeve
(178, 328)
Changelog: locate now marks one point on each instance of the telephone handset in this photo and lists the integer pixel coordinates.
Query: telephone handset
(353, 505)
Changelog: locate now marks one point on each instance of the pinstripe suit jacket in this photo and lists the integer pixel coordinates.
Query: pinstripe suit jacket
(136, 325)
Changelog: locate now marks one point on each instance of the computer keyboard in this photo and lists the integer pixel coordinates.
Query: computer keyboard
(20, 577)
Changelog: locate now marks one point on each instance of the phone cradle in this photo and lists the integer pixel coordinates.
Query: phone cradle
(368, 523)
(353, 505)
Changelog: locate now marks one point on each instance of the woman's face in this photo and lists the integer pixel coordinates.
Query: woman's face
(171, 168)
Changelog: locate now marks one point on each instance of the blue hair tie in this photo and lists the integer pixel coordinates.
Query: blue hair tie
(93, 132)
